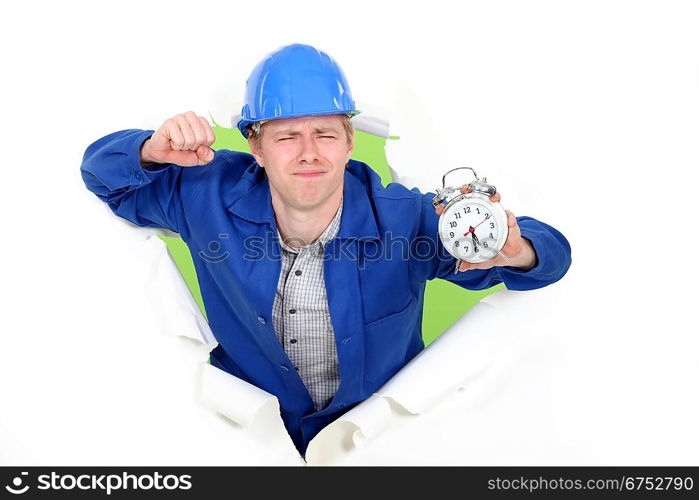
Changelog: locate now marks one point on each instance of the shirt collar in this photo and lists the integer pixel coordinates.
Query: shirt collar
(357, 218)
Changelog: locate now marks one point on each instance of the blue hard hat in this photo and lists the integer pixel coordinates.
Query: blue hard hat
(295, 80)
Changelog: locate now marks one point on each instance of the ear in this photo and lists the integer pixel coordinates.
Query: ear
(257, 153)
(350, 146)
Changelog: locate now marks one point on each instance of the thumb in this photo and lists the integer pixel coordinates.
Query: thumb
(205, 154)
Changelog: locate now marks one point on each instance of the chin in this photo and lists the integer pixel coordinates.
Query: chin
(308, 203)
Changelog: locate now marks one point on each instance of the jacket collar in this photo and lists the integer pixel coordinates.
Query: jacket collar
(357, 218)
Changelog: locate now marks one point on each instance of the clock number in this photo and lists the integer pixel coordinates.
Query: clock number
(492, 225)
(475, 249)
(457, 215)
(491, 236)
(467, 210)
(478, 210)
(487, 216)
(456, 243)
(485, 244)
(451, 234)
(453, 224)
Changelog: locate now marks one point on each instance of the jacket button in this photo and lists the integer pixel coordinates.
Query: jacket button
(284, 367)
(261, 319)
(298, 273)
(292, 311)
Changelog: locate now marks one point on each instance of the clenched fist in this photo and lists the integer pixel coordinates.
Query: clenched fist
(183, 140)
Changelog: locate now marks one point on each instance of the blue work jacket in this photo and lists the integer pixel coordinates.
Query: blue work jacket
(223, 211)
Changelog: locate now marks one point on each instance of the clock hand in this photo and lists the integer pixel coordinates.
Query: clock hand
(481, 222)
(472, 229)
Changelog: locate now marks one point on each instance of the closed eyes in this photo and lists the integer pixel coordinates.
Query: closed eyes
(321, 137)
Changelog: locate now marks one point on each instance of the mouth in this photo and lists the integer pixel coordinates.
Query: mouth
(309, 174)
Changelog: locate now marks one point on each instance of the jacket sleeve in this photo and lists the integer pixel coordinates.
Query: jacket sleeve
(553, 255)
(151, 197)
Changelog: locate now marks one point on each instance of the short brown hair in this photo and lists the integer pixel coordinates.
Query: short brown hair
(255, 130)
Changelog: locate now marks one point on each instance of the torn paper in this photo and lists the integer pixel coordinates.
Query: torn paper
(236, 399)
(176, 310)
(460, 355)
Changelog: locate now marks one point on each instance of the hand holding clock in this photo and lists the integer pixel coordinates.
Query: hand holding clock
(517, 251)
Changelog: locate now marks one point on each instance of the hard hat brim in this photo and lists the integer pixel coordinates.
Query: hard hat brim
(243, 124)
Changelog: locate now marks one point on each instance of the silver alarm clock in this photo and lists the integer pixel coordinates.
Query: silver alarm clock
(471, 227)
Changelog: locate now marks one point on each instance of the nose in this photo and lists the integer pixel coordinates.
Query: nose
(308, 152)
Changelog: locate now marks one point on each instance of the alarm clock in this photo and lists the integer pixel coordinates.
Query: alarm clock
(471, 227)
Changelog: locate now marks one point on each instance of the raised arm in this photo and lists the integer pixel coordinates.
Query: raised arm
(139, 173)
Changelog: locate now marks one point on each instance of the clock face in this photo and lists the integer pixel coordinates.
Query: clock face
(472, 230)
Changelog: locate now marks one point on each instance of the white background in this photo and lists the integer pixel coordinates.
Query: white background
(584, 114)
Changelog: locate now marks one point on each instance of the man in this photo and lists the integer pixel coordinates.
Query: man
(293, 245)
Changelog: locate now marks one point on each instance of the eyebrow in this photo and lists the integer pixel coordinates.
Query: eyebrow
(316, 130)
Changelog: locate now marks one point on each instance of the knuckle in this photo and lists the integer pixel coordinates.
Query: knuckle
(205, 124)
